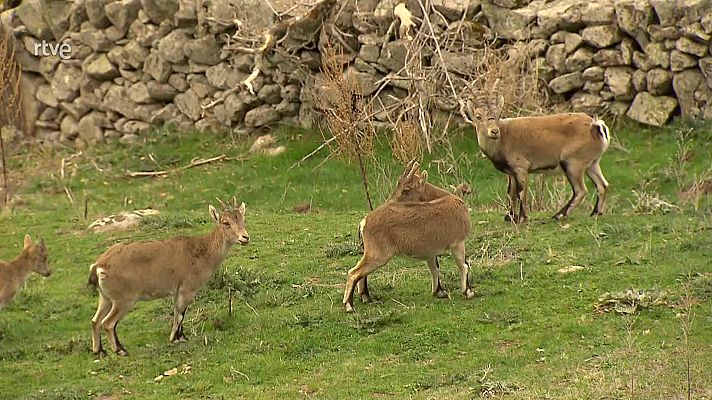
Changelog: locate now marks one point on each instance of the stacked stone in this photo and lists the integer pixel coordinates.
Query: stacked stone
(140, 63)
(643, 58)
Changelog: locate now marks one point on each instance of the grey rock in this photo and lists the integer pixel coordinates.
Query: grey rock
(510, 24)
(244, 62)
(76, 109)
(99, 66)
(593, 87)
(270, 94)
(203, 51)
(627, 48)
(187, 15)
(158, 68)
(223, 76)
(665, 11)
(556, 56)
(365, 83)
(131, 75)
(170, 47)
(369, 53)
(49, 114)
(680, 61)
(179, 82)
(462, 63)
(117, 100)
(652, 110)
(47, 65)
(453, 10)
(593, 74)
(640, 81)
(363, 66)
(135, 127)
(393, 55)
(633, 17)
(566, 83)
(135, 54)
(706, 69)
(601, 36)
(144, 34)
(138, 93)
(659, 82)
(202, 88)
(620, 82)
(96, 13)
(68, 127)
(311, 59)
(609, 58)
(114, 34)
(580, 60)
(65, 83)
(685, 84)
(261, 116)
(658, 55)
(587, 103)
(660, 34)
(642, 61)
(45, 95)
(29, 13)
(689, 46)
(159, 10)
(189, 104)
(89, 126)
(165, 114)
(706, 23)
(122, 13)
(690, 11)
(95, 39)
(598, 13)
(696, 32)
(209, 125)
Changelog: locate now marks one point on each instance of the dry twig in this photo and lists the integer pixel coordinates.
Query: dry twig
(193, 163)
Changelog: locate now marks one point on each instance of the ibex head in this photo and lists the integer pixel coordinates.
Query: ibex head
(231, 221)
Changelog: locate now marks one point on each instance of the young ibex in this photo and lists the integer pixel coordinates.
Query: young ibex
(149, 270)
(406, 225)
(519, 146)
(13, 274)
(412, 186)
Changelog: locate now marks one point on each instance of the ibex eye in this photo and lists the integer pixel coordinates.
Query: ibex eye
(226, 223)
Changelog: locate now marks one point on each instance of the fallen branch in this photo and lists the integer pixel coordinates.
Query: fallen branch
(193, 163)
(321, 146)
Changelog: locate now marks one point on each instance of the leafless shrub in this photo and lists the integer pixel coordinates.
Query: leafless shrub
(406, 143)
(350, 133)
(10, 75)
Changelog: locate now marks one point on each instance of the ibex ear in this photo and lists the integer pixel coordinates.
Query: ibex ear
(214, 213)
(423, 177)
(242, 208)
(28, 241)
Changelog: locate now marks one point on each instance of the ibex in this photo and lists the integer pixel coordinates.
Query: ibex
(407, 225)
(412, 186)
(519, 146)
(13, 274)
(149, 270)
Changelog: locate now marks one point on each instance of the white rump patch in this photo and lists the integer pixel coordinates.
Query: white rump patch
(602, 129)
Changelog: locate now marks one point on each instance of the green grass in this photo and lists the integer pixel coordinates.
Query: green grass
(531, 332)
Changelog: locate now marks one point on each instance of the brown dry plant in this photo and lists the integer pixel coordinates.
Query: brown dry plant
(350, 134)
(10, 76)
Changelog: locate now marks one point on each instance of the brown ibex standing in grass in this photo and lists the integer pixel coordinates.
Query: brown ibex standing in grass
(519, 146)
(149, 270)
(14, 273)
(407, 225)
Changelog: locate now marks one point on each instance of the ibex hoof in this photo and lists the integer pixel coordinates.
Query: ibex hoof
(442, 294)
(595, 213)
(101, 353)
(469, 293)
(122, 352)
(349, 308)
(366, 298)
(509, 217)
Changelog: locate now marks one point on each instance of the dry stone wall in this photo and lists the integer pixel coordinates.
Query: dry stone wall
(135, 64)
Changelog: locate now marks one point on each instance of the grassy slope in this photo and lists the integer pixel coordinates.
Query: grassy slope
(530, 333)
